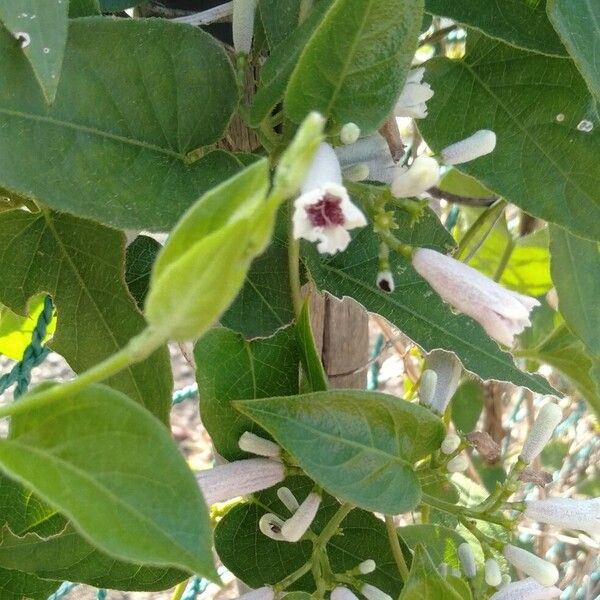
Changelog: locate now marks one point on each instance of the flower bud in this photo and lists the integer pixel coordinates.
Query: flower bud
(540, 433)
(412, 100)
(263, 593)
(366, 566)
(448, 371)
(527, 589)
(243, 24)
(480, 143)
(541, 570)
(427, 386)
(423, 174)
(350, 133)
(271, 525)
(288, 499)
(506, 579)
(458, 464)
(370, 592)
(450, 444)
(249, 442)
(296, 526)
(342, 593)
(493, 576)
(467, 560)
(357, 172)
(385, 281)
(443, 569)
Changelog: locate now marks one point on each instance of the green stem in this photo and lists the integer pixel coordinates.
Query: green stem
(294, 265)
(508, 250)
(293, 577)
(495, 211)
(395, 546)
(334, 524)
(178, 592)
(462, 511)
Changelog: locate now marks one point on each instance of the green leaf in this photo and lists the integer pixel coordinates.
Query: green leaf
(425, 583)
(139, 258)
(311, 361)
(230, 367)
(136, 497)
(83, 8)
(467, 404)
(360, 446)
(578, 25)
(546, 167)
(355, 64)
(117, 5)
(44, 25)
(15, 585)
(430, 324)
(441, 542)
(113, 145)
(80, 264)
(513, 21)
(280, 18)
(576, 275)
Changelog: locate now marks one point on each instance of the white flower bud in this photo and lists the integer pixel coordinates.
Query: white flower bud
(288, 499)
(527, 589)
(262, 593)
(448, 371)
(366, 566)
(540, 433)
(427, 386)
(342, 593)
(450, 444)
(467, 560)
(458, 464)
(443, 569)
(271, 525)
(243, 24)
(295, 527)
(541, 570)
(506, 579)
(350, 133)
(423, 174)
(239, 478)
(250, 442)
(455, 573)
(480, 143)
(493, 576)
(370, 592)
(385, 281)
(357, 172)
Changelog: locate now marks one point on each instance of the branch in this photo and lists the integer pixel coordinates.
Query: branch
(436, 192)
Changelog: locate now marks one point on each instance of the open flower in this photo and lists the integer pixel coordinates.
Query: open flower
(501, 312)
(415, 94)
(527, 589)
(423, 174)
(324, 212)
(568, 513)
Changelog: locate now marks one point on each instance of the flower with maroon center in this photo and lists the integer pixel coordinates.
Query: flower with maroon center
(326, 212)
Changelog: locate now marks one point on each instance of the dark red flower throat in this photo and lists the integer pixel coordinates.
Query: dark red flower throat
(327, 212)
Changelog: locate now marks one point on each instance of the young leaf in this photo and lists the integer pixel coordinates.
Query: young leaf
(80, 264)
(355, 64)
(230, 367)
(441, 542)
(39, 29)
(311, 361)
(360, 446)
(136, 498)
(113, 145)
(542, 161)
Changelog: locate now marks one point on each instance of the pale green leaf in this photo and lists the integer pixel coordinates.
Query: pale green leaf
(441, 542)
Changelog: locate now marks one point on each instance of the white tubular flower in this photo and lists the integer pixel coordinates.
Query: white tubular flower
(541, 570)
(250, 442)
(458, 464)
(467, 560)
(501, 312)
(239, 478)
(342, 593)
(415, 94)
(493, 576)
(271, 525)
(243, 24)
(349, 133)
(482, 142)
(450, 444)
(324, 212)
(527, 589)
(262, 593)
(366, 566)
(448, 371)
(370, 592)
(540, 433)
(416, 179)
(373, 151)
(288, 499)
(567, 513)
(427, 386)
(385, 281)
(295, 527)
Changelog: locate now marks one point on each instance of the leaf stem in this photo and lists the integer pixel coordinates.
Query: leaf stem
(331, 528)
(395, 546)
(179, 589)
(294, 265)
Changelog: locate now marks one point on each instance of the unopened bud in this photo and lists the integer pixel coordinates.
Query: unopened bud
(288, 499)
(243, 24)
(370, 592)
(423, 174)
(540, 433)
(506, 579)
(357, 172)
(480, 143)
(250, 442)
(458, 464)
(493, 576)
(385, 281)
(343, 593)
(450, 444)
(455, 573)
(349, 133)
(271, 525)
(263, 593)
(484, 444)
(541, 570)
(467, 560)
(296, 526)
(448, 370)
(443, 569)
(427, 386)
(366, 566)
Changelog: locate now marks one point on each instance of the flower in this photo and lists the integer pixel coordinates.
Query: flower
(370, 592)
(349, 133)
(467, 560)
(372, 151)
(423, 174)
(243, 24)
(544, 572)
(239, 478)
(415, 94)
(250, 442)
(263, 593)
(480, 143)
(342, 593)
(526, 589)
(367, 566)
(288, 499)
(567, 513)
(450, 444)
(385, 281)
(447, 369)
(501, 312)
(295, 527)
(324, 212)
(541, 431)
(493, 576)
(271, 525)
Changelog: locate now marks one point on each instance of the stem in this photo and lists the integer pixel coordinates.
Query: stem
(179, 589)
(331, 528)
(293, 577)
(510, 246)
(294, 265)
(463, 246)
(395, 546)
(463, 511)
